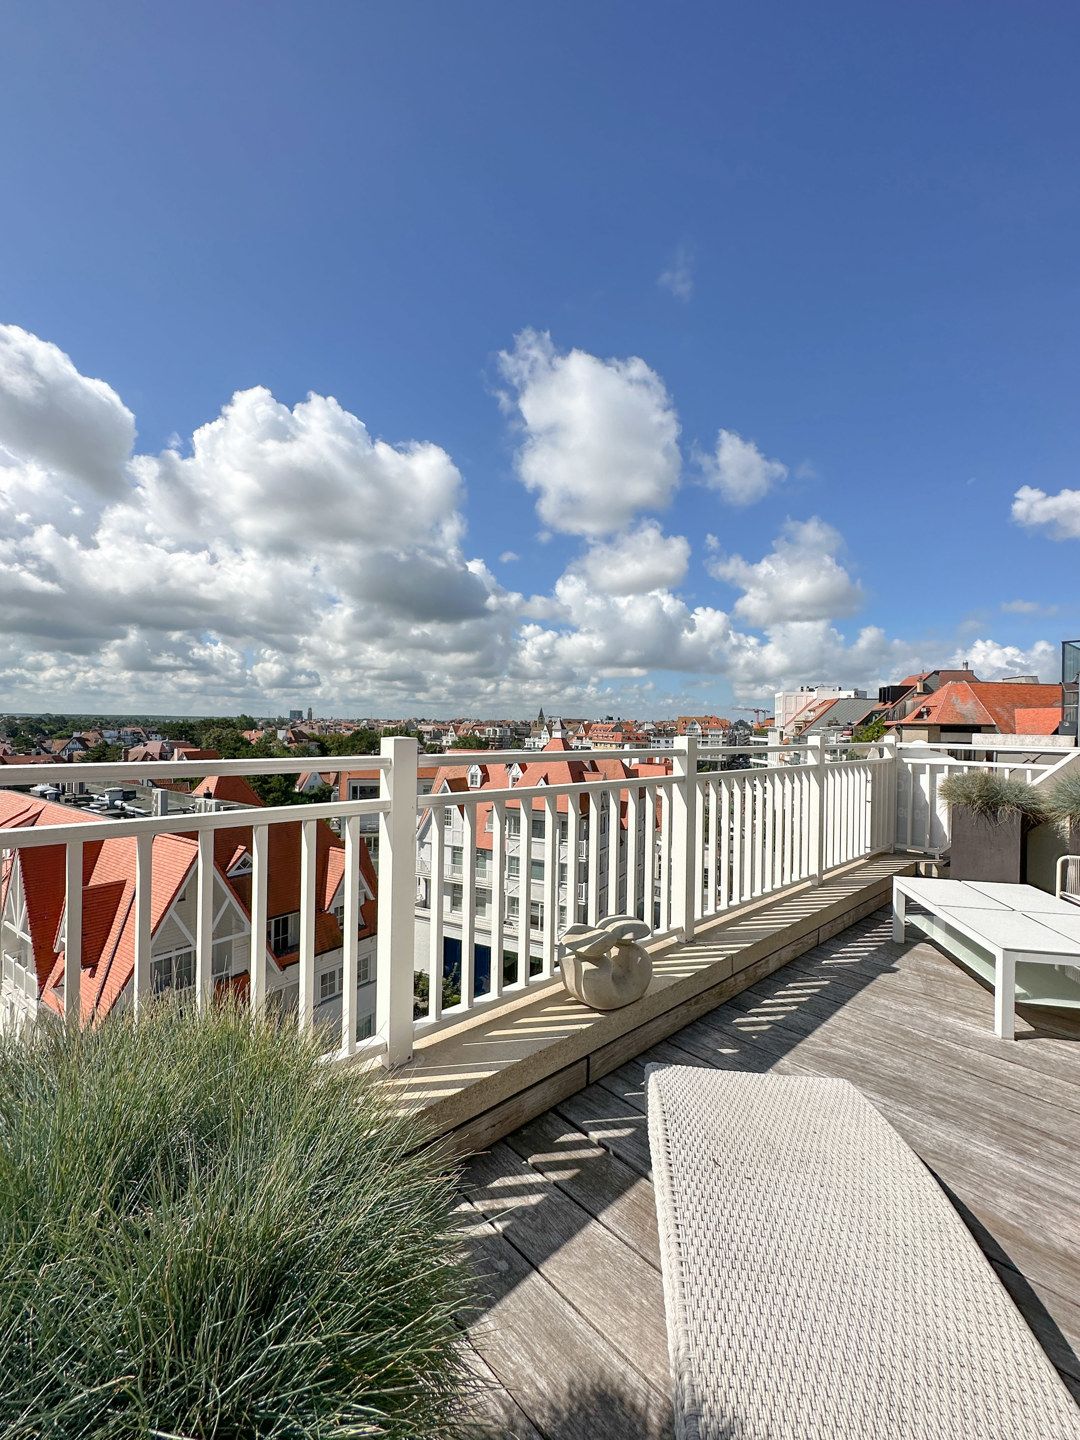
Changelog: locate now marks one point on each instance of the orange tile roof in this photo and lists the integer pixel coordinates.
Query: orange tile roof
(705, 722)
(232, 788)
(989, 704)
(1037, 721)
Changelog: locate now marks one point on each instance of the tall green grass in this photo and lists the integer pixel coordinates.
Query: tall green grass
(206, 1233)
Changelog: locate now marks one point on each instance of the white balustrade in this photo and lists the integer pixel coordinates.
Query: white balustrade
(921, 819)
(676, 849)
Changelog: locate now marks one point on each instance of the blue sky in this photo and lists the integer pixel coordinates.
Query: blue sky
(868, 216)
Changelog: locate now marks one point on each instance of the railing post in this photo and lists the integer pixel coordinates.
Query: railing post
(890, 781)
(685, 876)
(816, 818)
(397, 890)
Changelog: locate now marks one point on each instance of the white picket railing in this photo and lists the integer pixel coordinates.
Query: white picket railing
(676, 849)
(589, 864)
(922, 819)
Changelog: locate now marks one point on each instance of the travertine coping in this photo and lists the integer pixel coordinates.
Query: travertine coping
(483, 1078)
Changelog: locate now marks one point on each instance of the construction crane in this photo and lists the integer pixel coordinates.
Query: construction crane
(756, 710)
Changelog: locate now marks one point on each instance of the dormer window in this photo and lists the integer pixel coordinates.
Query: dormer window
(476, 777)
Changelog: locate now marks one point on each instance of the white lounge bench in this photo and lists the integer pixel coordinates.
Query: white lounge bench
(818, 1283)
(1022, 940)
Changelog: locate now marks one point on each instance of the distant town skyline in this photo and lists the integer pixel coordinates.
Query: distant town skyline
(751, 362)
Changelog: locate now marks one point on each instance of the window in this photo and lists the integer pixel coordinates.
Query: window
(447, 816)
(538, 827)
(173, 972)
(513, 907)
(455, 897)
(536, 869)
(363, 790)
(365, 1027)
(513, 825)
(513, 866)
(363, 969)
(284, 931)
(221, 959)
(536, 915)
(329, 985)
(562, 874)
(457, 857)
(483, 902)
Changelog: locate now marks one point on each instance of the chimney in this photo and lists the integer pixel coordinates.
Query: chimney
(161, 801)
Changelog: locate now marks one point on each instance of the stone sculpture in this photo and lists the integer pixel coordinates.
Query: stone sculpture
(604, 966)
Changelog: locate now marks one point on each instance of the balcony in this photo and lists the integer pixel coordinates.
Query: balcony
(764, 885)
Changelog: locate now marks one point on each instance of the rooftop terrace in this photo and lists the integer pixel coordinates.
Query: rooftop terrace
(762, 886)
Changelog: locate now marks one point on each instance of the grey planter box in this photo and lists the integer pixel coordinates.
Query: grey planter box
(986, 849)
(1042, 847)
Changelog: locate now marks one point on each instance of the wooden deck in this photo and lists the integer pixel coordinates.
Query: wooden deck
(570, 1340)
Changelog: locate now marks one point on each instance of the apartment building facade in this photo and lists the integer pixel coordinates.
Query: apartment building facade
(525, 851)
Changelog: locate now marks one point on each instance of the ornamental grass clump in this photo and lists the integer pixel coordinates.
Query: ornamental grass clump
(204, 1232)
(991, 796)
(1063, 801)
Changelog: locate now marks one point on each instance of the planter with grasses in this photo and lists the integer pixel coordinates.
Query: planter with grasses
(207, 1233)
(990, 815)
(1063, 808)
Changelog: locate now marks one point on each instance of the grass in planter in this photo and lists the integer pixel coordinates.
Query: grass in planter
(206, 1233)
(1063, 802)
(992, 796)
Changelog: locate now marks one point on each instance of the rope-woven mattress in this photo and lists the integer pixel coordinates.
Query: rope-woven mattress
(819, 1283)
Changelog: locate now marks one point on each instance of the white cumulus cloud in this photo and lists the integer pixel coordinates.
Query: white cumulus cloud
(600, 437)
(800, 579)
(1058, 514)
(991, 661)
(739, 471)
(287, 554)
(640, 560)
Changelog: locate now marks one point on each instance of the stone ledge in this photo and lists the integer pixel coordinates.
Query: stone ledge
(483, 1078)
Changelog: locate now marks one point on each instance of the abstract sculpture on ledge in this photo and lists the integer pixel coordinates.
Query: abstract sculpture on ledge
(604, 966)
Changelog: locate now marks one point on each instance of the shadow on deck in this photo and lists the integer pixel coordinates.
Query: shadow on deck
(570, 1340)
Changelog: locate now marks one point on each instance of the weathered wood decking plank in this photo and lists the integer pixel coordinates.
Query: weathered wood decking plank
(604, 1279)
(577, 1294)
(557, 1369)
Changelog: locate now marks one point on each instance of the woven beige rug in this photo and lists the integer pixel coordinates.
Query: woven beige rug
(819, 1285)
